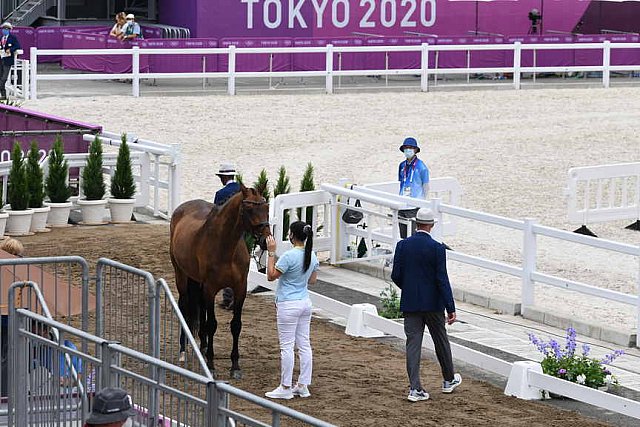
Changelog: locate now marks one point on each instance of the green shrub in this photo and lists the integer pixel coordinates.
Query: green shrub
(390, 303)
(307, 184)
(123, 185)
(262, 185)
(35, 177)
(93, 186)
(18, 194)
(283, 187)
(56, 186)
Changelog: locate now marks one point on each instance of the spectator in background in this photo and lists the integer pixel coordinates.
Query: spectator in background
(131, 30)
(8, 46)
(116, 31)
(12, 246)
(111, 407)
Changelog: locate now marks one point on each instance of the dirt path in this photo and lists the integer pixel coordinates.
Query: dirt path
(357, 382)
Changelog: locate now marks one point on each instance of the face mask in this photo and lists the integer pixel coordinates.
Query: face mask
(5, 32)
(409, 153)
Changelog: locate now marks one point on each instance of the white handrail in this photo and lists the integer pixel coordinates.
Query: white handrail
(424, 70)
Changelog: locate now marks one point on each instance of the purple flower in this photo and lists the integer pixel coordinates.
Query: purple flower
(609, 358)
(557, 352)
(541, 345)
(585, 349)
(562, 371)
(571, 342)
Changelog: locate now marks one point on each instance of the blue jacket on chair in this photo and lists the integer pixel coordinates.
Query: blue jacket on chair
(225, 193)
(420, 270)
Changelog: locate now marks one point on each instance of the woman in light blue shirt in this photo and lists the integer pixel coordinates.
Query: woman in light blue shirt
(296, 269)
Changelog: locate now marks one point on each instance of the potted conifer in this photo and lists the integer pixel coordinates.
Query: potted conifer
(57, 187)
(93, 187)
(3, 215)
(307, 184)
(36, 191)
(123, 186)
(283, 187)
(19, 221)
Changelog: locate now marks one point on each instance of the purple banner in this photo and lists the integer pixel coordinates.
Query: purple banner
(257, 62)
(181, 63)
(19, 119)
(345, 18)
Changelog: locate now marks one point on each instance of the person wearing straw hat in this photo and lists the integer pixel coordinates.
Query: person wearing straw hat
(111, 407)
(413, 175)
(420, 271)
(8, 46)
(227, 174)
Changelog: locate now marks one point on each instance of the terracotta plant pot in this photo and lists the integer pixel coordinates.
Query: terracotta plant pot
(59, 214)
(121, 210)
(93, 211)
(39, 220)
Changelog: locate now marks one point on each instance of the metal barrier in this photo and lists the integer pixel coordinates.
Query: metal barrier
(603, 193)
(52, 382)
(65, 285)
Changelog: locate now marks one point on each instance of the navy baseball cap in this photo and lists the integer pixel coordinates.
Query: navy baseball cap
(410, 142)
(111, 405)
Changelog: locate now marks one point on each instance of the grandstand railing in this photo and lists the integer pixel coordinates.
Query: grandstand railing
(52, 383)
(381, 219)
(425, 70)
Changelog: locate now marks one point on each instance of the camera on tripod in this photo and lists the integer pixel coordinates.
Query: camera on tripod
(535, 17)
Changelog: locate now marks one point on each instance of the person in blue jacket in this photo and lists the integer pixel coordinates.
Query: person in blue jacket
(420, 271)
(413, 175)
(8, 46)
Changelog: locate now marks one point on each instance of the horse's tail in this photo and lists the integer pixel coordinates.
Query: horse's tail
(190, 305)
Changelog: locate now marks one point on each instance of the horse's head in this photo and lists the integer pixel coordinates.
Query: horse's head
(255, 215)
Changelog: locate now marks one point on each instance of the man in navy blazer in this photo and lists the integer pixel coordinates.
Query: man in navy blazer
(420, 270)
(8, 46)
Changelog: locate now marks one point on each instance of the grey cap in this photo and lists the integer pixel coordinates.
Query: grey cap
(111, 405)
(8, 25)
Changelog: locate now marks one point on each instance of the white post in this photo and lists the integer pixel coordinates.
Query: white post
(26, 82)
(424, 67)
(517, 60)
(135, 69)
(33, 58)
(529, 249)
(270, 69)
(231, 82)
(606, 64)
(174, 176)
(386, 68)
(638, 301)
(335, 229)
(329, 69)
(438, 228)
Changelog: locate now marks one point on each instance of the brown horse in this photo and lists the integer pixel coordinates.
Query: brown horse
(208, 253)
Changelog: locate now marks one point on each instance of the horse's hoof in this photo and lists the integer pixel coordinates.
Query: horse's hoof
(236, 374)
(182, 357)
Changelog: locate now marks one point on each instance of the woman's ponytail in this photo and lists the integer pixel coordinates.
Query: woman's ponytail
(308, 247)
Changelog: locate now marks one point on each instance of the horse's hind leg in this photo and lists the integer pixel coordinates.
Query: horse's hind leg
(212, 326)
(236, 327)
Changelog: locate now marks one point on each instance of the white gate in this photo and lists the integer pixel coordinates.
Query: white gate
(603, 193)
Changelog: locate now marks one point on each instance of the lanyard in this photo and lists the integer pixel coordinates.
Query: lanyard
(412, 167)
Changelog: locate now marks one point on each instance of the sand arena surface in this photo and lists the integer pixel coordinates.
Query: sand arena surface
(356, 381)
(510, 150)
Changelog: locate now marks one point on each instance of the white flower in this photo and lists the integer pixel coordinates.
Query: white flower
(581, 378)
(608, 379)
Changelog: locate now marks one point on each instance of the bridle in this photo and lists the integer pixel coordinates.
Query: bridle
(255, 229)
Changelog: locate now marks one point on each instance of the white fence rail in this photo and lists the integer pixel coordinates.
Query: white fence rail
(603, 193)
(381, 216)
(486, 362)
(425, 70)
(155, 170)
(18, 82)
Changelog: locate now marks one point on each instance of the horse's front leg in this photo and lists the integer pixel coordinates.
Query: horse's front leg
(236, 326)
(212, 326)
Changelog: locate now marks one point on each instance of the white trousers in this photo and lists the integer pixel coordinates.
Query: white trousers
(294, 320)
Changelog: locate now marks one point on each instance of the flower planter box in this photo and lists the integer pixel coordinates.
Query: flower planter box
(19, 222)
(59, 214)
(93, 211)
(39, 220)
(121, 210)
